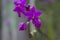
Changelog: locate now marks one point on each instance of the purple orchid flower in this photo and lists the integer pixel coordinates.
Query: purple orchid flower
(22, 26)
(33, 15)
(30, 13)
(20, 7)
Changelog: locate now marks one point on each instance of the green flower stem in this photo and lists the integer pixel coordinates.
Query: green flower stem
(50, 26)
(29, 30)
(28, 27)
(35, 35)
(42, 33)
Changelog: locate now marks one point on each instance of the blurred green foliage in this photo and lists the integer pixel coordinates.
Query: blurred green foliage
(0, 14)
(50, 19)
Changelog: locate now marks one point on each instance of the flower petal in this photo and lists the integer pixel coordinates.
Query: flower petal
(16, 3)
(23, 1)
(37, 23)
(33, 9)
(38, 13)
(28, 13)
(29, 18)
(20, 2)
(22, 26)
(19, 14)
(17, 9)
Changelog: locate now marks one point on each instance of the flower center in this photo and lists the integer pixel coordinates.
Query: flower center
(18, 5)
(32, 17)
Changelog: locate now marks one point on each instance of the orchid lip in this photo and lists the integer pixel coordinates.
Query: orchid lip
(33, 17)
(18, 5)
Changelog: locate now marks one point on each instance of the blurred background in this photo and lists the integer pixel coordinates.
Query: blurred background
(50, 18)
